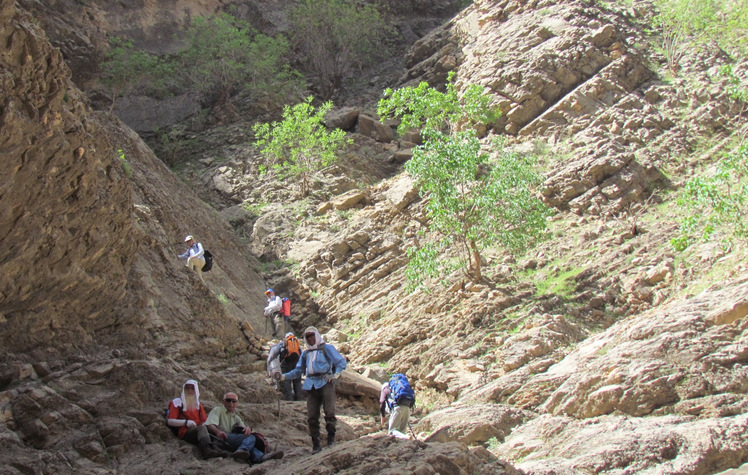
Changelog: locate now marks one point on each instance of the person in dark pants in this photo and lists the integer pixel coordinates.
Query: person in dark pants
(322, 365)
(287, 353)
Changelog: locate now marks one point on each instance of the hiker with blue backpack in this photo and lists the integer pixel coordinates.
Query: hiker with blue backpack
(397, 398)
(322, 365)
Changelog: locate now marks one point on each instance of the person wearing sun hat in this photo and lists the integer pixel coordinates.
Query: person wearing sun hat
(273, 312)
(195, 256)
(322, 365)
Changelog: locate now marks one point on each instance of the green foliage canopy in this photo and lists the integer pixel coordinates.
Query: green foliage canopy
(427, 108)
(300, 145)
(222, 53)
(335, 38)
(689, 24)
(474, 203)
(716, 202)
(126, 69)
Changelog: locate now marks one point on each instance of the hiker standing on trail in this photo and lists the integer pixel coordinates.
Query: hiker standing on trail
(287, 353)
(322, 365)
(397, 398)
(187, 414)
(225, 423)
(195, 256)
(273, 312)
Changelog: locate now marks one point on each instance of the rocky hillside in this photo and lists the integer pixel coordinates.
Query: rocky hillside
(602, 351)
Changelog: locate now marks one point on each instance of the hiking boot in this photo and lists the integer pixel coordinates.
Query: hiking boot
(208, 451)
(240, 456)
(278, 454)
(316, 447)
(330, 440)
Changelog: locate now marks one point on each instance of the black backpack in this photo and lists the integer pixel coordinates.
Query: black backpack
(208, 261)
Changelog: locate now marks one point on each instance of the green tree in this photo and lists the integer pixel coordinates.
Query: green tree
(222, 53)
(126, 69)
(474, 202)
(300, 144)
(333, 38)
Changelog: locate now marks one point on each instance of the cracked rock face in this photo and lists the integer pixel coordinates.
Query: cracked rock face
(65, 261)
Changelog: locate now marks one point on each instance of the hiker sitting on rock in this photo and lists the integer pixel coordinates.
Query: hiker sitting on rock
(322, 365)
(397, 398)
(224, 423)
(287, 353)
(195, 256)
(188, 415)
(273, 312)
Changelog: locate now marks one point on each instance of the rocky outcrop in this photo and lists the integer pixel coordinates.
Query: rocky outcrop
(68, 232)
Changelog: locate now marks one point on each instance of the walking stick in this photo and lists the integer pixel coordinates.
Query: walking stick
(411, 431)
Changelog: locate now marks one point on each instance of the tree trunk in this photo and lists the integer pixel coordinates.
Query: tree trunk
(476, 258)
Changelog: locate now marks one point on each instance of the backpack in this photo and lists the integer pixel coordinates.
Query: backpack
(261, 443)
(291, 349)
(208, 261)
(286, 308)
(400, 391)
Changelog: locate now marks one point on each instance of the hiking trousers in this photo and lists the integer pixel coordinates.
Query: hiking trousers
(291, 387)
(197, 435)
(316, 398)
(399, 418)
(196, 264)
(246, 443)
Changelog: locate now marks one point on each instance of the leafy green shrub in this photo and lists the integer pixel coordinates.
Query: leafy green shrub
(126, 167)
(333, 38)
(689, 24)
(223, 53)
(716, 202)
(300, 144)
(426, 107)
(126, 69)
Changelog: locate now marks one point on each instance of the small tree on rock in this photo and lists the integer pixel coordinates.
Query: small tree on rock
(474, 203)
(300, 145)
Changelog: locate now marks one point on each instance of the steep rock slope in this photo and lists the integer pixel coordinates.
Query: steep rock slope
(120, 323)
(621, 333)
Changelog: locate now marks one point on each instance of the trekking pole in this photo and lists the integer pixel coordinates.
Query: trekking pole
(413, 433)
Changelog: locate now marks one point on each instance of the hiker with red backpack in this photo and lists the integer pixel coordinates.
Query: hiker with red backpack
(322, 365)
(397, 398)
(274, 312)
(287, 352)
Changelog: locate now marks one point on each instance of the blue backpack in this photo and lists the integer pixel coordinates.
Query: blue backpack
(400, 391)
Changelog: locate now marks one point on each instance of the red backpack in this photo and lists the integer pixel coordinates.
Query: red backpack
(286, 308)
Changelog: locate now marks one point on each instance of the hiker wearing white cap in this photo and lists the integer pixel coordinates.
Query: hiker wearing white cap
(273, 312)
(195, 256)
